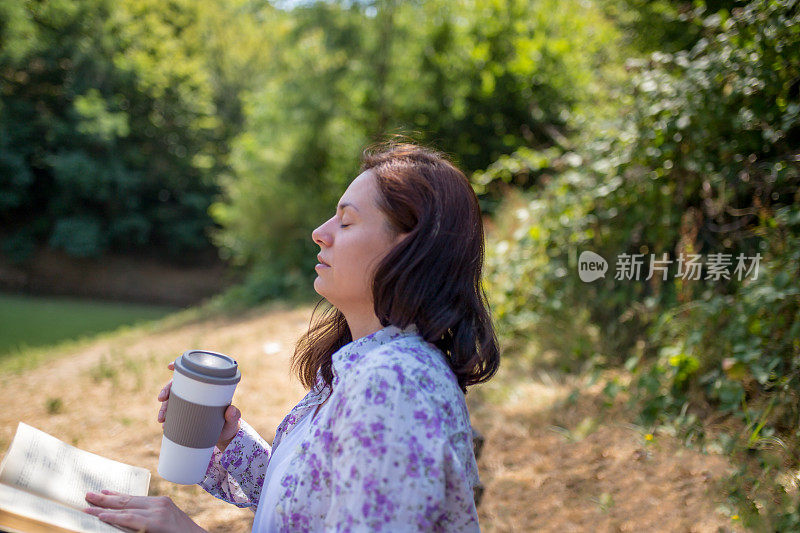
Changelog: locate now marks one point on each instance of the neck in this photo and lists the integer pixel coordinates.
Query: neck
(362, 324)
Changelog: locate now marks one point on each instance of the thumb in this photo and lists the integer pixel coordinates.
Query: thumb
(232, 414)
(230, 428)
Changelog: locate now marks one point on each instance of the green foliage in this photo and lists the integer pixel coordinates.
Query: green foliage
(494, 76)
(114, 123)
(703, 161)
(79, 236)
(475, 79)
(664, 25)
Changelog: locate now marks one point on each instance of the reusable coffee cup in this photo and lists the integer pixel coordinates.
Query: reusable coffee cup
(202, 389)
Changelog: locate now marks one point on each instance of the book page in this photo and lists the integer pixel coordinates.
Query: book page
(25, 504)
(41, 464)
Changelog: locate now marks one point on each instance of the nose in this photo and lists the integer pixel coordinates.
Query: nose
(321, 235)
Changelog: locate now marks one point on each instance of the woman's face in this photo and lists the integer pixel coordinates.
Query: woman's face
(352, 243)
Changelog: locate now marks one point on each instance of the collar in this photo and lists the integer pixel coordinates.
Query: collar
(344, 359)
(351, 353)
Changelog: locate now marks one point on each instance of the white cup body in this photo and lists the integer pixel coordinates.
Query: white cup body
(181, 464)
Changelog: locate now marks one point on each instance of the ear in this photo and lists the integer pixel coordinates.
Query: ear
(399, 237)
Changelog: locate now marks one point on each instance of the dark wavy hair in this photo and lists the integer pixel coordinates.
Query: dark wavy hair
(431, 278)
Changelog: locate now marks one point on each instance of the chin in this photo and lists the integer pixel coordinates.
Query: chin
(319, 287)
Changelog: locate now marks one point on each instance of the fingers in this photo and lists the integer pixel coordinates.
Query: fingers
(109, 499)
(163, 397)
(164, 394)
(162, 413)
(125, 518)
(141, 513)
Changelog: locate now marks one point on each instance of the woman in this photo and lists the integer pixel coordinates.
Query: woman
(382, 441)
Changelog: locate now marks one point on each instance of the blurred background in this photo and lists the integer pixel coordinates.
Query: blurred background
(162, 155)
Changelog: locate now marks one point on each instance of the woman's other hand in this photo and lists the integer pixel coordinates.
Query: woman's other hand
(163, 397)
(232, 415)
(153, 514)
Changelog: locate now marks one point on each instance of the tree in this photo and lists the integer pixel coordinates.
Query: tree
(111, 133)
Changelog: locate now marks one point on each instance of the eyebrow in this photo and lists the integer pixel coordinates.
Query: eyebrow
(345, 204)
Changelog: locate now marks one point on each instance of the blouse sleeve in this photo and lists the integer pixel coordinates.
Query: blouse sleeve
(237, 474)
(394, 466)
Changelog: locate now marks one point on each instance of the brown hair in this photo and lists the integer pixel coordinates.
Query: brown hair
(431, 278)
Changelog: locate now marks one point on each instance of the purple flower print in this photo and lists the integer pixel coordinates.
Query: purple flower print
(390, 449)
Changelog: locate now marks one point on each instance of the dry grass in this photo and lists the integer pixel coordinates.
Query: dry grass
(555, 461)
(549, 464)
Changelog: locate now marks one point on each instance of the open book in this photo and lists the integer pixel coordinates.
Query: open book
(44, 481)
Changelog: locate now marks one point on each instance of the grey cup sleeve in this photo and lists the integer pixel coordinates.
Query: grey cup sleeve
(193, 425)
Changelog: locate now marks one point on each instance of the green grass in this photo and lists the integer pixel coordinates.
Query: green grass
(30, 322)
(144, 320)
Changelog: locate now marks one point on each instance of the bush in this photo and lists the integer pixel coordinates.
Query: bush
(703, 162)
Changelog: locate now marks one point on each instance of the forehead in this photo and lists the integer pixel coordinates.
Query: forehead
(361, 191)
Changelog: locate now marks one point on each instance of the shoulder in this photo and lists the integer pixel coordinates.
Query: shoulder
(407, 379)
(406, 389)
(409, 364)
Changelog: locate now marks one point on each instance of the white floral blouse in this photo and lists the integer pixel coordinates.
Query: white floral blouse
(391, 450)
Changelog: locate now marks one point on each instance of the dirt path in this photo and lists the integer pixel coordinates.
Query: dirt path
(548, 465)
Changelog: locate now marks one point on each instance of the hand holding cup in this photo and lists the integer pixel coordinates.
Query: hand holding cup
(232, 415)
(197, 414)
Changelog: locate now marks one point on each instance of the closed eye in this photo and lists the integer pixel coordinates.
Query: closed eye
(343, 225)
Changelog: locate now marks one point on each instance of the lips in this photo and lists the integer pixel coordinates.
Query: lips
(321, 261)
